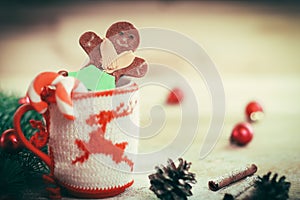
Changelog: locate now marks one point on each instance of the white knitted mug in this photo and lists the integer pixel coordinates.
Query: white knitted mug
(91, 156)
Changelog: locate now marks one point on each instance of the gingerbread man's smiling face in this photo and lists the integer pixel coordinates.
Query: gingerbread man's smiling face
(124, 36)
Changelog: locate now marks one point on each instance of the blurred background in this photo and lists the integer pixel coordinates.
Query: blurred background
(255, 46)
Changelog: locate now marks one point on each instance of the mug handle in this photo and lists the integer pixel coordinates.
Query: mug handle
(17, 125)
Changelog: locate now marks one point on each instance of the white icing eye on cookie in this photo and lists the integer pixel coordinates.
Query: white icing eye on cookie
(131, 36)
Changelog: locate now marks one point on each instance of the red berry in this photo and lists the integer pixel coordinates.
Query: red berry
(10, 142)
(175, 96)
(242, 134)
(254, 111)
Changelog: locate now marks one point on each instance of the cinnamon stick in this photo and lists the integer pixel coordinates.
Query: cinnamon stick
(232, 177)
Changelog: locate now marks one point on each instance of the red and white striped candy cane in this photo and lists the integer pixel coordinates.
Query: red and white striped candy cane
(63, 95)
(64, 87)
(36, 87)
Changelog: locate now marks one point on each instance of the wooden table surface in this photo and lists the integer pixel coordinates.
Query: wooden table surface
(255, 48)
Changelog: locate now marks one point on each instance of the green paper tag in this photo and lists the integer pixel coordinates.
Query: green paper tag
(94, 79)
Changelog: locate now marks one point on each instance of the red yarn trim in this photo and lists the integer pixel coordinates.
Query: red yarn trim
(122, 90)
(96, 193)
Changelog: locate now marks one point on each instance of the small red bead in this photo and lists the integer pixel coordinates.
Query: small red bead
(175, 96)
(10, 142)
(254, 111)
(63, 73)
(241, 134)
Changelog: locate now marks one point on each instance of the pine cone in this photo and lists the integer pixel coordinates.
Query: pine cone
(171, 182)
(228, 197)
(271, 189)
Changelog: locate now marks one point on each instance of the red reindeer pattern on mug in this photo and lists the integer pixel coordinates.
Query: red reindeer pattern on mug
(97, 143)
(125, 37)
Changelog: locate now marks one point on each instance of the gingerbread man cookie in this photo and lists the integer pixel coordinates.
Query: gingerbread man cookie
(125, 38)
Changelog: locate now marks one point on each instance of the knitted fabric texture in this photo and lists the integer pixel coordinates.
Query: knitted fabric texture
(94, 152)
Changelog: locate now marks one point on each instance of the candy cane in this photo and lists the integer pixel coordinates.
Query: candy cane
(64, 87)
(63, 95)
(36, 87)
